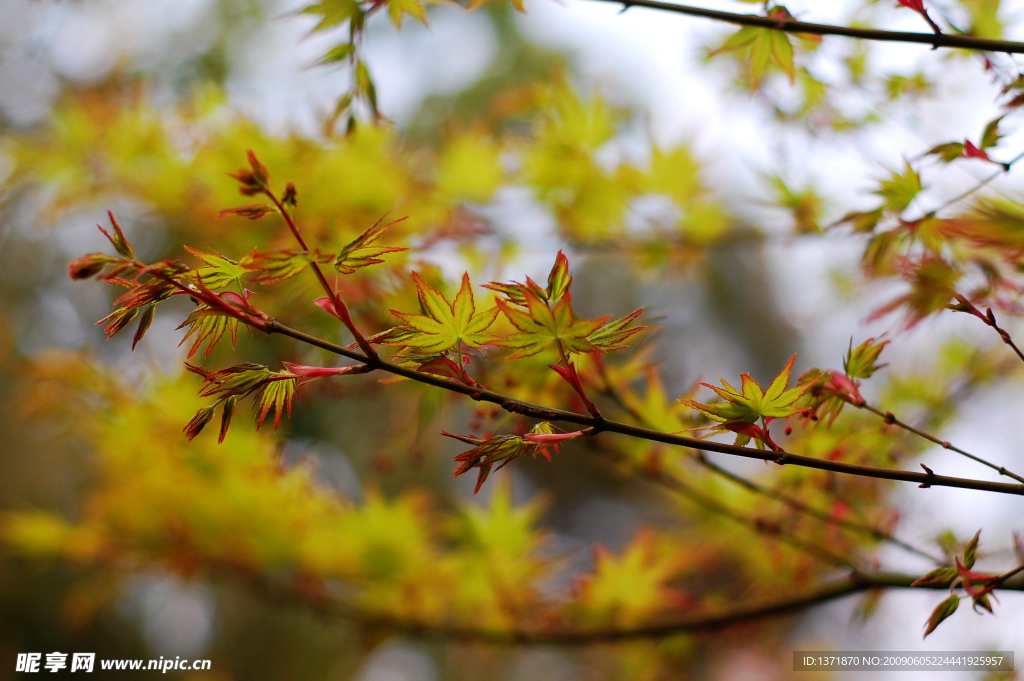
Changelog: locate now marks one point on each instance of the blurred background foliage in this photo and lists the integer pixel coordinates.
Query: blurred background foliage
(124, 540)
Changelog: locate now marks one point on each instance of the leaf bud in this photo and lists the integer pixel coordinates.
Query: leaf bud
(253, 211)
(290, 197)
(87, 266)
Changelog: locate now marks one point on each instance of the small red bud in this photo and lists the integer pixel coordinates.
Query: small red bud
(87, 266)
(290, 197)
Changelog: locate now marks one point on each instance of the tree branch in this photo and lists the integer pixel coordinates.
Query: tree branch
(801, 507)
(852, 583)
(760, 526)
(551, 414)
(767, 528)
(966, 42)
(889, 418)
(339, 305)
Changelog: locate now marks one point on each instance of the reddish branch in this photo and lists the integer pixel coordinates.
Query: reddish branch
(339, 305)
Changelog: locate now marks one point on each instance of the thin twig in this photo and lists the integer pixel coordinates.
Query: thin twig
(769, 529)
(702, 620)
(1006, 575)
(981, 183)
(801, 507)
(339, 305)
(760, 526)
(890, 418)
(794, 26)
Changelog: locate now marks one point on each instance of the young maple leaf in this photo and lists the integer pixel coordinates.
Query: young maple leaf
(559, 281)
(830, 391)
(541, 325)
(941, 612)
(932, 286)
(549, 317)
(763, 47)
(612, 335)
(276, 266)
(359, 253)
(862, 361)
(220, 271)
(205, 325)
(270, 390)
(751, 404)
(443, 325)
(503, 449)
(900, 190)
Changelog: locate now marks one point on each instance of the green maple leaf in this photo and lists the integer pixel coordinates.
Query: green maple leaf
(862, 361)
(751, 403)
(398, 8)
(899, 190)
(220, 271)
(549, 317)
(333, 13)
(276, 266)
(541, 325)
(359, 253)
(763, 47)
(443, 325)
(612, 335)
(209, 326)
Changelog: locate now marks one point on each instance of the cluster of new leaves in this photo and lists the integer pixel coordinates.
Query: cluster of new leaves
(541, 318)
(435, 341)
(148, 284)
(504, 449)
(973, 254)
(217, 313)
(742, 409)
(979, 587)
(830, 390)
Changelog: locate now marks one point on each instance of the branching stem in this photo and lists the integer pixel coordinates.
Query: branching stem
(935, 40)
(890, 418)
(552, 414)
(339, 305)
